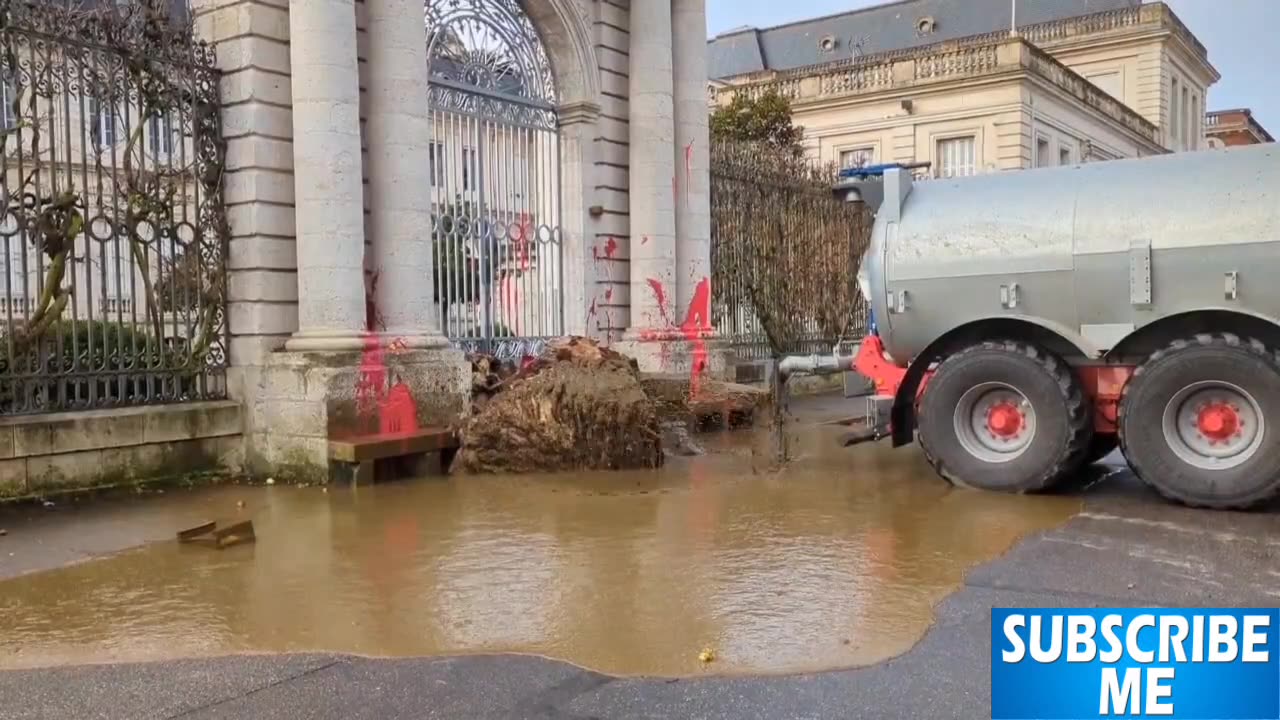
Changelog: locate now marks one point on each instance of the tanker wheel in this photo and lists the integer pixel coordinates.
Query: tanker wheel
(1193, 422)
(1006, 417)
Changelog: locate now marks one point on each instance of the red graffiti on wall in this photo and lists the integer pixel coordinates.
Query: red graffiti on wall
(604, 275)
(383, 402)
(661, 296)
(694, 329)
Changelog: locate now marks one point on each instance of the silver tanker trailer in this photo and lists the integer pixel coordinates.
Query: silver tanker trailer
(1026, 323)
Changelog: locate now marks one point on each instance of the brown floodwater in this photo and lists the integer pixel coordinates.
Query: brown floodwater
(835, 560)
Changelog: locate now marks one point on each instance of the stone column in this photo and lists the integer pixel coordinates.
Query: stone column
(652, 174)
(693, 155)
(328, 185)
(399, 135)
(577, 133)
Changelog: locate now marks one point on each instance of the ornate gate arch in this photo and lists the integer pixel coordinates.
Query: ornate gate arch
(495, 177)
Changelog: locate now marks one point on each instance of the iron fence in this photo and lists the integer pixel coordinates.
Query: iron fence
(495, 178)
(113, 232)
(784, 253)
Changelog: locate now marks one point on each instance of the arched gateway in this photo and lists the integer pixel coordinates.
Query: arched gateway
(495, 177)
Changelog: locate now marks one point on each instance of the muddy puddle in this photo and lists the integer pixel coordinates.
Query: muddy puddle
(834, 561)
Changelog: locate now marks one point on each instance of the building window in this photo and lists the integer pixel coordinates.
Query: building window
(8, 115)
(1042, 152)
(1065, 154)
(1175, 117)
(103, 126)
(160, 130)
(1186, 123)
(956, 157)
(858, 157)
(437, 164)
(469, 181)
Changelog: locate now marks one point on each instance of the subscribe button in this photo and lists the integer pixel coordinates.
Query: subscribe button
(1202, 664)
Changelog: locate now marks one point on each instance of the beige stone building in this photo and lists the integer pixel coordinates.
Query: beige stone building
(953, 85)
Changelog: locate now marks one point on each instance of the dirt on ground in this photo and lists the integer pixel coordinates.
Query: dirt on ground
(578, 406)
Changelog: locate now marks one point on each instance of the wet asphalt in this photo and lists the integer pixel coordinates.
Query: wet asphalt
(1127, 548)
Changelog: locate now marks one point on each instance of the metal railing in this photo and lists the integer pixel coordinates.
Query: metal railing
(113, 233)
(784, 254)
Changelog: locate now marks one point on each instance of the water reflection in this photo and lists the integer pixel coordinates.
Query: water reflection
(835, 560)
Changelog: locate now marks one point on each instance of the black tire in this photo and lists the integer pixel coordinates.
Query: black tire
(1250, 366)
(1064, 419)
(1101, 446)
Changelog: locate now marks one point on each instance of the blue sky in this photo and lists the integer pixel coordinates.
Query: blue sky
(1240, 36)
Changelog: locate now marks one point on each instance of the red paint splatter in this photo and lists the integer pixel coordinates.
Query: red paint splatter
(592, 310)
(608, 294)
(696, 324)
(644, 239)
(661, 297)
(381, 407)
(610, 247)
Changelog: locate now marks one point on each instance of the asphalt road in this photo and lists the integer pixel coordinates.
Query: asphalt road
(1126, 549)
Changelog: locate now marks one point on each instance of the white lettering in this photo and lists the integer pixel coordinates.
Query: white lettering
(1114, 697)
(1253, 638)
(1173, 632)
(1038, 651)
(1155, 691)
(1080, 645)
(1222, 638)
(1011, 625)
(1197, 639)
(1109, 625)
(1131, 639)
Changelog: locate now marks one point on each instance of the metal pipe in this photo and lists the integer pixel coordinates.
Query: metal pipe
(814, 365)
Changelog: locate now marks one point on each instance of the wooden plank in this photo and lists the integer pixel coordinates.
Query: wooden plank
(376, 447)
(191, 534)
(234, 534)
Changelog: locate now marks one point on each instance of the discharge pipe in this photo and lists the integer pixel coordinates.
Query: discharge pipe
(814, 365)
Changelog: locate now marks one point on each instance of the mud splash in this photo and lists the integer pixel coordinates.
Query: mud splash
(835, 561)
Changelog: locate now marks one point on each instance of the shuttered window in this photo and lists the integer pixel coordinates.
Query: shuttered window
(956, 157)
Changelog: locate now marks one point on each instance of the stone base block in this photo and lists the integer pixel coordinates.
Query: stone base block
(46, 454)
(303, 399)
(677, 356)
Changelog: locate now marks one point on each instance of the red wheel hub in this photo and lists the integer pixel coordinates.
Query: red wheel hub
(1218, 421)
(1004, 420)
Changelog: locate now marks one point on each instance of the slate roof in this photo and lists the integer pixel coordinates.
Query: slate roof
(881, 28)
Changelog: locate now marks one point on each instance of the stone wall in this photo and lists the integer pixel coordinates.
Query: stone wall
(45, 454)
(611, 230)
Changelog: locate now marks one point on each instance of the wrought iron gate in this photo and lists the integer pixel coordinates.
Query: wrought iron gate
(495, 178)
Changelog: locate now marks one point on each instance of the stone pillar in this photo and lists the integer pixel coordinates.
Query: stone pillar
(334, 377)
(328, 187)
(399, 135)
(577, 133)
(652, 249)
(693, 156)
